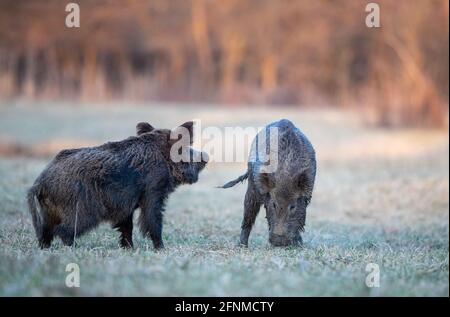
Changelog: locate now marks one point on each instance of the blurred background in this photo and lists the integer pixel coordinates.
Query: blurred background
(372, 101)
(298, 53)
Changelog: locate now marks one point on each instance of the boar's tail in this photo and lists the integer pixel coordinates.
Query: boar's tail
(35, 214)
(240, 179)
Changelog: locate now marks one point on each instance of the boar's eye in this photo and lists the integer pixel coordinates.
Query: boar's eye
(266, 182)
(302, 181)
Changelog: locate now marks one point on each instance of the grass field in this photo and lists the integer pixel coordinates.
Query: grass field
(381, 197)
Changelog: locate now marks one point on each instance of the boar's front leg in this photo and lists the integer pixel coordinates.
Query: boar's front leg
(152, 207)
(251, 209)
(126, 232)
(298, 218)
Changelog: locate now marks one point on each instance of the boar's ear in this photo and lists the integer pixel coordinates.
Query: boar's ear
(303, 182)
(266, 182)
(190, 128)
(143, 127)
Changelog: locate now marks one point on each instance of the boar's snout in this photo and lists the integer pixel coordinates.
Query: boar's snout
(204, 158)
(186, 172)
(281, 241)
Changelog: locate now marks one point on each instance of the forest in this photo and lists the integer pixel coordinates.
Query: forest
(299, 53)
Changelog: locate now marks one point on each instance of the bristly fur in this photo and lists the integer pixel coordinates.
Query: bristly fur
(285, 192)
(82, 187)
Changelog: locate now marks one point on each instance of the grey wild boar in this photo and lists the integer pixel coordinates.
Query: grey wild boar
(281, 173)
(82, 187)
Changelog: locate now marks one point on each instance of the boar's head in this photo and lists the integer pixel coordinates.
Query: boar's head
(287, 193)
(185, 163)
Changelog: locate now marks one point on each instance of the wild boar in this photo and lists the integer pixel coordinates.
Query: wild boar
(82, 187)
(281, 177)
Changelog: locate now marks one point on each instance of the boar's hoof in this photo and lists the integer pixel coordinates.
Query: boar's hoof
(243, 244)
(281, 241)
(158, 246)
(125, 244)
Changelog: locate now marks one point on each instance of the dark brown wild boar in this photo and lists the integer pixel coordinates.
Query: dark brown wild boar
(82, 187)
(281, 173)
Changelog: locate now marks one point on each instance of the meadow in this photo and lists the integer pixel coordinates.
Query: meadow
(381, 196)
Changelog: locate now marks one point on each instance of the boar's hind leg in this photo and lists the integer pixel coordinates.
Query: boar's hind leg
(66, 233)
(251, 209)
(150, 219)
(48, 227)
(46, 239)
(126, 232)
